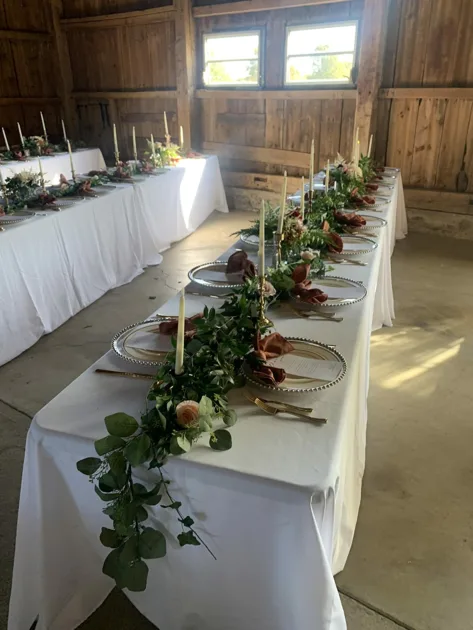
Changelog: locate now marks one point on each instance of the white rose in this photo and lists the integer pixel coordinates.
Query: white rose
(307, 255)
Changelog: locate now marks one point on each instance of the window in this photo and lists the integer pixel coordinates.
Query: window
(232, 59)
(320, 54)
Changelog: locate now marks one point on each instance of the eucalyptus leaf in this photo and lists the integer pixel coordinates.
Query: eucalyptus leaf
(188, 538)
(108, 443)
(121, 424)
(89, 465)
(183, 442)
(113, 568)
(206, 407)
(137, 450)
(106, 496)
(110, 538)
(229, 417)
(136, 576)
(221, 440)
(152, 544)
(129, 551)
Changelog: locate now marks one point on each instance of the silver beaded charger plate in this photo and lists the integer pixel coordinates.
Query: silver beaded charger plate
(355, 246)
(306, 349)
(252, 240)
(66, 202)
(126, 343)
(214, 275)
(373, 224)
(342, 294)
(16, 217)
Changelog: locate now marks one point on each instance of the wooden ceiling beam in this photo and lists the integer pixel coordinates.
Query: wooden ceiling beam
(289, 95)
(28, 100)
(120, 94)
(249, 6)
(258, 154)
(109, 20)
(25, 35)
(427, 92)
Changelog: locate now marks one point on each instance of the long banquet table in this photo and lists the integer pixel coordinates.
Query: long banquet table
(53, 166)
(278, 510)
(57, 263)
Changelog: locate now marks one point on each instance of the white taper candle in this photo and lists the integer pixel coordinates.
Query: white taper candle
(153, 148)
(64, 134)
(181, 137)
(311, 166)
(302, 198)
(327, 176)
(44, 126)
(261, 241)
(283, 205)
(166, 130)
(370, 145)
(21, 135)
(135, 153)
(41, 174)
(6, 140)
(115, 141)
(180, 335)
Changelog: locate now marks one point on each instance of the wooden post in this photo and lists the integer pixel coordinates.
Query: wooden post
(185, 67)
(65, 85)
(370, 64)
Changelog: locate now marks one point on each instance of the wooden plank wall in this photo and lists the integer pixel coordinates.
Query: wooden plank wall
(28, 69)
(121, 55)
(429, 138)
(276, 123)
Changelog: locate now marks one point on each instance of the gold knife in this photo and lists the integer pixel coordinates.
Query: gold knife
(147, 377)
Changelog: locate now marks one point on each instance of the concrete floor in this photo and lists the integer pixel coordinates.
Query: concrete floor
(411, 565)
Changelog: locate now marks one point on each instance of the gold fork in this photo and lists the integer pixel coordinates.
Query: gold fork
(273, 411)
(277, 403)
(316, 315)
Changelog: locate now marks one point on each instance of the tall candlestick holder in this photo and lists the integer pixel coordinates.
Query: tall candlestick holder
(117, 158)
(168, 140)
(135, 162)
(278, 238)
(263, 320)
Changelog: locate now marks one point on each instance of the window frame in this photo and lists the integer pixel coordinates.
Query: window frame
(323, 84)
(236, 32)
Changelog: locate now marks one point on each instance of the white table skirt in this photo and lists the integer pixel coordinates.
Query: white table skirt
(278, 510)
(54, 266)
(85, 160)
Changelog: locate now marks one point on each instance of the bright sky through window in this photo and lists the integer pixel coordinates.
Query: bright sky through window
(232, 59)
(320, 54)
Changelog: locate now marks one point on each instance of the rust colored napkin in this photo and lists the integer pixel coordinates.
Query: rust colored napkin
(372, 186)
(351, 220)
(302, 289)
(270, 347)
(169, 327)
(336, 244)
(239, 262)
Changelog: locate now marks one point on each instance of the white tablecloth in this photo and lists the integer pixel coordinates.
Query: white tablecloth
(278, 510)
(53, 266)
(85, 160)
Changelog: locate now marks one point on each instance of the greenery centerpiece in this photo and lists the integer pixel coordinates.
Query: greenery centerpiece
(36, 146)
(180, 409)
(162, 155)
(21, 188)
